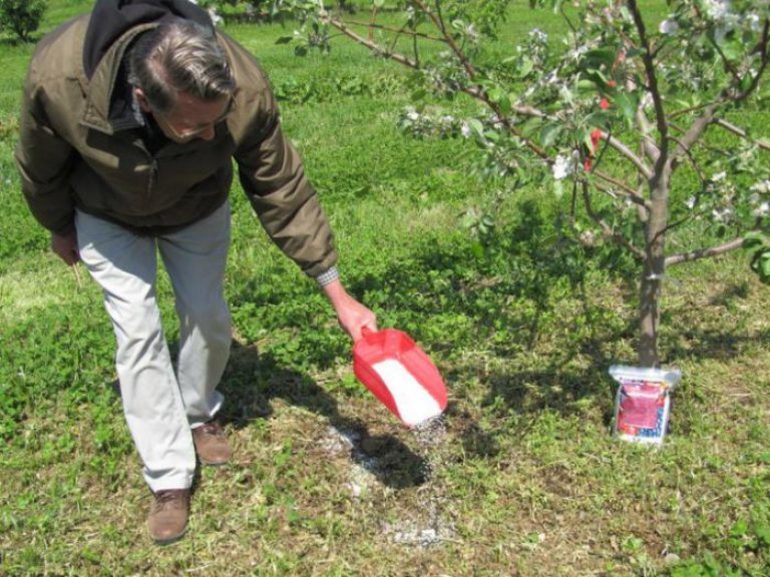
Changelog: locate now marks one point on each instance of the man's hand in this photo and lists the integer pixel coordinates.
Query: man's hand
(351, 314)
(66, 246)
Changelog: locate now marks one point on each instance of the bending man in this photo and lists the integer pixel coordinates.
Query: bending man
(131, 118)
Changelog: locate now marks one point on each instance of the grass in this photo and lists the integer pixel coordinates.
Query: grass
(524, 479)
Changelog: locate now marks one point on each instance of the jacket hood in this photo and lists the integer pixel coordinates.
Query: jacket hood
(110, 19)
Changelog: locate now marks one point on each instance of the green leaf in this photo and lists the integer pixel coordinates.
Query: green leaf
(284, 40)
(531, 126)
(586, 138)
(627, 103)
(500, 97)
(419, 94)
(595, 59)
(739, 529)
(754, 239)
(764, 267)
(549, 133)
(476, 126)
(526, 67)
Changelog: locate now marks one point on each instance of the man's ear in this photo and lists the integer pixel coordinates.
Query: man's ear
(141, 99)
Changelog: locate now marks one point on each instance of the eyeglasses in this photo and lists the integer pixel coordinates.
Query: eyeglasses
(190, 133)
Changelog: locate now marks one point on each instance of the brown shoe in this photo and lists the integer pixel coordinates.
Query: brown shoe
(211, 444)
(168, 515)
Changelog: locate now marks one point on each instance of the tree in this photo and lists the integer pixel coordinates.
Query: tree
(619, 118)
(234, 10)
(21, 16)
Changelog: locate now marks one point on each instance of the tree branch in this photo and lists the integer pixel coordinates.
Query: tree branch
(652, 84)
(627, 190)
(636, 199)
(398, 31)
(400, 58)
(648, 146)
(690, 156)
(696, 130)
(761, 47)
(607, 229)
(438, 22)
(704, 252)
(738, 131)
(628, 153)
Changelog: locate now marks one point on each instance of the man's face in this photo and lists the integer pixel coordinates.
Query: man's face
(190, 118)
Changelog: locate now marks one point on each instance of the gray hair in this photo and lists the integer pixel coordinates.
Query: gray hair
(179, 57)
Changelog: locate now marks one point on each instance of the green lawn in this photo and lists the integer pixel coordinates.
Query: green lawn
(521, 478)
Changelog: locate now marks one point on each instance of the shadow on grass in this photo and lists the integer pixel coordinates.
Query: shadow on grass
(504, 296)
(253, 379)
(718, 344)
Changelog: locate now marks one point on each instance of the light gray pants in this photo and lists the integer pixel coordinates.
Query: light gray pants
(161, 406)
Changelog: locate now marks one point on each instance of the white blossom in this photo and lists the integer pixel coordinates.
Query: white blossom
(465, 130)
(552, 77)
(562, 167)
(565, 94)
(722, 215)
(719, 176)
(538, 35)
(691, 202)
(576, 53)
(763, 209)
(216, 19)
(717, 9)
(761, 187)
(588, 238)
(668, 26)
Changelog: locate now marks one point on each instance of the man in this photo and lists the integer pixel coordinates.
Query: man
(131, 118)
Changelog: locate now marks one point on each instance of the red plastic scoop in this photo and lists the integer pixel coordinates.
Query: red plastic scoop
(400, 375)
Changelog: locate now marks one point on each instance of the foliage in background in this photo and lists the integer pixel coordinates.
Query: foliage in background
(618, 118)
(22, 17)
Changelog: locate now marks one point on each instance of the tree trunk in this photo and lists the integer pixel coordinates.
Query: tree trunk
(652, 275)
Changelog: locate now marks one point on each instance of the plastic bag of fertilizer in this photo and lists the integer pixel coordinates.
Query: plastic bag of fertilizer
(643, 402)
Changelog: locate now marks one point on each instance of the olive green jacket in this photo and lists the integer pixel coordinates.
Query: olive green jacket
(73, 154)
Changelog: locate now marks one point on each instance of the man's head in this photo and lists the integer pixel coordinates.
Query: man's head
(180, 75)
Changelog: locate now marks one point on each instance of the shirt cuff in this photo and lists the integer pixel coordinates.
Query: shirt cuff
(328, 277)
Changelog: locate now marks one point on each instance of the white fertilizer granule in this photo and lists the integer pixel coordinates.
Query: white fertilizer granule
(414, 404)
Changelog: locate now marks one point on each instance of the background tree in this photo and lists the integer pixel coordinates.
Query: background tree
(22, 17)
(619, 119)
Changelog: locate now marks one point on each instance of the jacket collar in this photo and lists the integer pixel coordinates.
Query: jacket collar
(100, 89)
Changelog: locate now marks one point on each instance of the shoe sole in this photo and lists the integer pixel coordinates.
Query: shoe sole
(213, 463)
(170, 540)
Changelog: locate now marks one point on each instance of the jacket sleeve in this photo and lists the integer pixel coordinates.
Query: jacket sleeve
(44, 161)
(273, 178)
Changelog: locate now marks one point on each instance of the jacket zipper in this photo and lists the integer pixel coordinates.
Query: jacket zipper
(153, 172)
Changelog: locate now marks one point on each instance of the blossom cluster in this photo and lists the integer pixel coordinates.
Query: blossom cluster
(430, 123)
